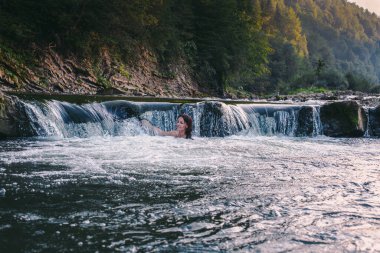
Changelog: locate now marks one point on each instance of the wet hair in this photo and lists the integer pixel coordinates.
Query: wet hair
(189, 122)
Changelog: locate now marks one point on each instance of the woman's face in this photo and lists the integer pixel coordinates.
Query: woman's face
(181, 124)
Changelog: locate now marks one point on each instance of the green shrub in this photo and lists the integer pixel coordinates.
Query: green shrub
(103, 82)
(309, 90)
(124, 72)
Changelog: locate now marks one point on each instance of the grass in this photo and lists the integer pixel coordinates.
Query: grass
(309, 90)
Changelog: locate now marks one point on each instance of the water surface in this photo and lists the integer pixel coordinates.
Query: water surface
(160, 194)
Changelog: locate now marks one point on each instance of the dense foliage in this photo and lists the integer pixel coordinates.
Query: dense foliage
(255, 45)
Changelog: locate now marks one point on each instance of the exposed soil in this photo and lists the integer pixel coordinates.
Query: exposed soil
(56, 74)
(70, 75)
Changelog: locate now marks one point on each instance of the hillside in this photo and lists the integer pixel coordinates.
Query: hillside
(345, 38)
(187, 48)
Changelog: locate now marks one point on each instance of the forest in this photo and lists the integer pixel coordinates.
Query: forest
(255, 46)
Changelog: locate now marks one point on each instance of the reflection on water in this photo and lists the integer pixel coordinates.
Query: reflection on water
(144, 193)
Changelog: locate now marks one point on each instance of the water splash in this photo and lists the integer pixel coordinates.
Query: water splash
(166, 194)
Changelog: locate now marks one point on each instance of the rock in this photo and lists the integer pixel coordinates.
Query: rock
(305, 125)
(211, 123)
(218, 120)
(54, 72)
(374, 121)
(122, 109)
(343, 119)
(58, 87)
(111, 91)
(6, 123)
(12, 117)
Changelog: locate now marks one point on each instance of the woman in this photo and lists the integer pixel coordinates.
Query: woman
(184, 127)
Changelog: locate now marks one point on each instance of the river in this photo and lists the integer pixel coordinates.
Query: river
(255, 178)
(141, 193)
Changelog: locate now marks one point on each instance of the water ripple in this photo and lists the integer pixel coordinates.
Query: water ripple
(149, 194)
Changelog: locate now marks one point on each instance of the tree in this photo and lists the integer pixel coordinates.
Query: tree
(229, 41)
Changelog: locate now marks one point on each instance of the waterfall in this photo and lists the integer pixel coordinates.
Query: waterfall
(210, 119)
(62, 119)
(317, 124)
(40, 121)
(368, 127)
(272, 119)
(195, 111)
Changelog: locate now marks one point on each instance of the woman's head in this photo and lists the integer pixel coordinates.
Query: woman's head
(185, 123)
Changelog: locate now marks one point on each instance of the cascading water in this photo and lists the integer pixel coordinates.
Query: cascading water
(368, 127)
(62, 119)
(195, 111)
(40, 120)
(272, 119)
(54, 118)
(317, 125)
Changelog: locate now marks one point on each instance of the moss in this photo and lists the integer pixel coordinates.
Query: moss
(345, 112)
(343, 119)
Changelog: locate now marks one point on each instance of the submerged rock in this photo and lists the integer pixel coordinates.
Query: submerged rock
(374, 121)
(343, 119)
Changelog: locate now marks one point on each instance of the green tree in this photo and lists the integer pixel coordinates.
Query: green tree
(229, 41)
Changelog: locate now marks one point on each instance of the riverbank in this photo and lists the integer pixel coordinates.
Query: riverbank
(50, 72)
(66, 75)
(58, 75)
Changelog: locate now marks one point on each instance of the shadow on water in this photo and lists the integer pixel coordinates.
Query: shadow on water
(47, 209)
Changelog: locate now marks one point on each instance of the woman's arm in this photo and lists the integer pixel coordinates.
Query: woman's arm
(145, 123)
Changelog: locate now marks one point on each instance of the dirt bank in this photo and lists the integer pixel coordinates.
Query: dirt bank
(54, 73)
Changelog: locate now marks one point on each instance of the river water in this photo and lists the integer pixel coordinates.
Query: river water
(141, 193)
